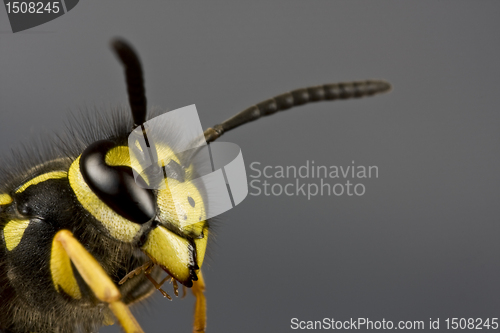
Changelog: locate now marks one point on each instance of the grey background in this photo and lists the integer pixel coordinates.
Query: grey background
(421, 243)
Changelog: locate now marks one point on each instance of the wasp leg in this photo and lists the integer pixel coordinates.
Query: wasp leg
(158, 285)
(165, 280)
(97, 279)
(135, 272)
(200, 307)
(176, 287)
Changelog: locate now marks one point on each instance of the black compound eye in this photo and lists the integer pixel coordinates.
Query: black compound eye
(115, 185)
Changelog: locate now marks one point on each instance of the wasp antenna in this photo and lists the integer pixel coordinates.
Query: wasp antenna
(326, 92)
(135, 80)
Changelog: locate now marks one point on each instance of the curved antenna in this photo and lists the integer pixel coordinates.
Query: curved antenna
(326, 92)
(134, 77)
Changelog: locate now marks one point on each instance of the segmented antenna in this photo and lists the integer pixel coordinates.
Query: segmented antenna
(135, 81)
(326, 92)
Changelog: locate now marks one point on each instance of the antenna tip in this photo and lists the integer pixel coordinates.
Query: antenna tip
(383, 86)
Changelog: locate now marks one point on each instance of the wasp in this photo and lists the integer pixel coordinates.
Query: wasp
(81, 240)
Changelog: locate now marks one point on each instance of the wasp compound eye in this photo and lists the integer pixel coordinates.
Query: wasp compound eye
(115, 185)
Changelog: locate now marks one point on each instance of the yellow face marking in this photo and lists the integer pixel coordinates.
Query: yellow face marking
(13, 232)
(120, 155)
(42, 178)
(181, 204)
(118, 226)
(5, 199)
(170, 251)
(138, 145)
(165, 154)
(62, 272)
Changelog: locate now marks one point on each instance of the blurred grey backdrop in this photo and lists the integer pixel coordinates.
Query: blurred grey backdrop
(421, 243)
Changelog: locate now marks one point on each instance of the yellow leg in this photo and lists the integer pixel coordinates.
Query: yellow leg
(200, 308)
(97, 279)
(158, 285)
